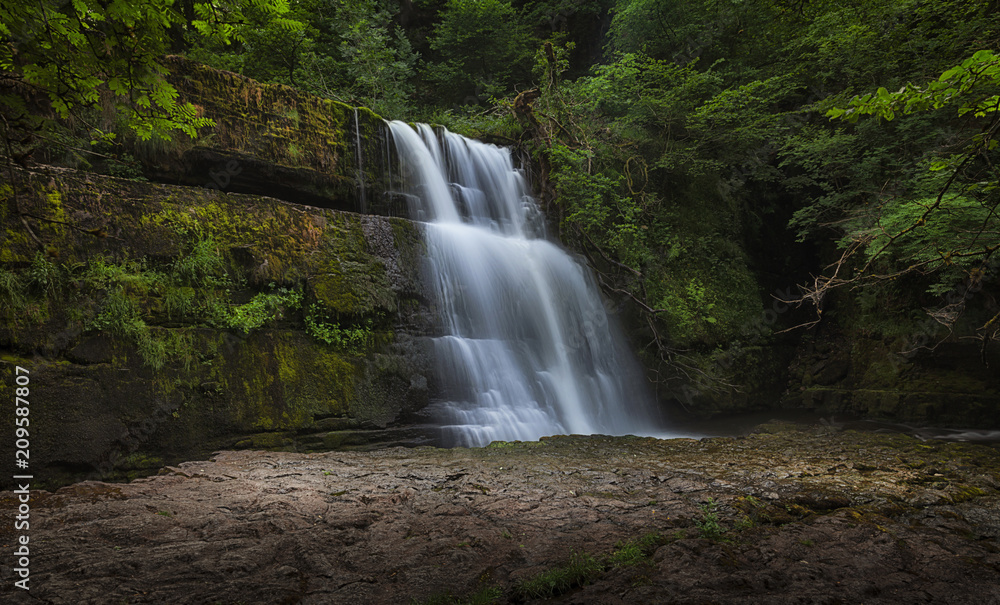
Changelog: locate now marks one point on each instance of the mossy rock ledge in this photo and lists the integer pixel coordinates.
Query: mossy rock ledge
(103, 406)
(274, 140)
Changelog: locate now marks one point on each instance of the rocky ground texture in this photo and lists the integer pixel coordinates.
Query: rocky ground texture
(788, 514)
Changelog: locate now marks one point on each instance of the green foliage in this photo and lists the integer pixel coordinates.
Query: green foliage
(658, 26)
(263, 309)
(936, 245)
(130, 275)
(44, 276)
(596, 201)
(202, 266)
(823, 169)
(226, 22)
(379, 57)
(76, 52)
(346, 50)
(179, 301)
(482, 47)
(13, 294)
(972, 84)
(635, 552)
(195, 286)
(691, 308)
(270, 34)
(476, 122)
(320, 326)
(721, 104)
(739, 121)
(126, 167)
(709, 525)
(945, 223)
(121, 316)
(650, 102)
(578, 571)
(585, 194)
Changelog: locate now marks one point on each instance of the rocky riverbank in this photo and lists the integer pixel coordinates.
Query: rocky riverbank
(786, 514)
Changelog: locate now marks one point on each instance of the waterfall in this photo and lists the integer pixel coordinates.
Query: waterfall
(528, 348)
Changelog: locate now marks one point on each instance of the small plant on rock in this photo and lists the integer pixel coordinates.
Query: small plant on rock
(709, 525)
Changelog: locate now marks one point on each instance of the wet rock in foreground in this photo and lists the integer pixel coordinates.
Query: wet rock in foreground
(784, 515)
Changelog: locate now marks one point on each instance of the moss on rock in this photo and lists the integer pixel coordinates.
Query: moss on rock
(273, 139)
(103, 411)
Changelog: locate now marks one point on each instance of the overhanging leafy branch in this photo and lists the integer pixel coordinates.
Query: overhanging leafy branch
(952, 234)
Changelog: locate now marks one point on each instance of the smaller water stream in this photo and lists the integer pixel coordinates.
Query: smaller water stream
(361, 162)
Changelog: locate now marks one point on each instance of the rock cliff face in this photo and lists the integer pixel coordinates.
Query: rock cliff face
(277, 141)
(161, 322)
(955, 384)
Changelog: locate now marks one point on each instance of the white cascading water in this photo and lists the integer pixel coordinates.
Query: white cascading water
(528, 349)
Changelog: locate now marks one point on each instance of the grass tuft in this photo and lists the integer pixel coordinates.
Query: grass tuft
(580, 570)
